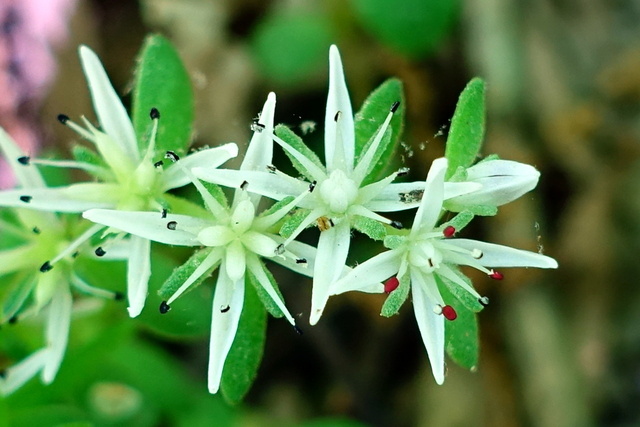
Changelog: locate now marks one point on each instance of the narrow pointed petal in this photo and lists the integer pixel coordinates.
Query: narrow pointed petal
(276, 187)
(112, 115)
(18, 258)
(26, 175)
(502, 182)
(304, 252)
(210, 158)
(150, 225)
(431, 325)
(58, 321)
(333, 247)
(74, 198)
(338, 101)
(260, 150)
(456, 189)
(431, 203)
(138, 273)
(223, 325)
(400, 196)
(257, 269)
(369, 274)
(17, 375)
(504, 256)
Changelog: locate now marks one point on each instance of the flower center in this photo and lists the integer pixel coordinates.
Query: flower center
(425, 256)
(338, 191)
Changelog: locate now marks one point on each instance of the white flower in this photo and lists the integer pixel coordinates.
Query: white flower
(340, 197)
(428, 251)
(235, 239)
(44, 263)
(130, 178)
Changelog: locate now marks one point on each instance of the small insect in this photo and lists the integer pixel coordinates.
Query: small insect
(324, 223)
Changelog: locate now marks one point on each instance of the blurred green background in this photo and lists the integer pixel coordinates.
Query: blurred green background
(559, 348)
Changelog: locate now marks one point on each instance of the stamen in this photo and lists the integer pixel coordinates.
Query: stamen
(84, 287)
(279, 249)
(99, 251)
(163, 214)
(158, 164)
(271, 168)
(484, 301)
(77, 242)
(449, 312)
(437, 309)
(496, 275)
(449, 231)
(3, 373)
(298, 330)
(171, 155)
(154, 113)
(477, 253)
(224, 308)
(337, 116)
(402, 172)
(257, 127)
(244, 185)
(395, 106)
(36, 230)
(118, 296)
(25, 199)
(164, 307)
(312, 186)
(13, 320)
(171, 225)
(430, 261)
(396, 224)
(391, 285)
(301, 261)
(63, 118)
(24, 160)
(46, 267)
(214, 206)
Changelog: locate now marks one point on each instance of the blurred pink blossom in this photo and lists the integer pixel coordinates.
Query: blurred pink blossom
(28, 31)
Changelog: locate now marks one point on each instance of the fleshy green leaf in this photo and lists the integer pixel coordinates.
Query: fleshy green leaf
(461, 334)
(396, 298)
(162, 82)
(394, 241)
(241, 365)
(412, 27)
(296, 142)
(181, 274)
(465, 298)
(290, 47)
(368, 120)
(264, 296)
(467, 127)
(292, 222)
(370, 227)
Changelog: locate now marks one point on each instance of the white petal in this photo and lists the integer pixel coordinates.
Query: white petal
(431, 325)
(210, 158)
(338, 101)
(223, 325)
(333, 247)
(27, 175)
(369, 274)
(431, 203)
(303, 252)
(151, 225)
(504, 256)
(17, 375)
(73, 198)
(502, 182)
(257, 269)
(276, 187)
(260, 150)
(455, 189)
(138, 273)
(112, 115)
(58, 321)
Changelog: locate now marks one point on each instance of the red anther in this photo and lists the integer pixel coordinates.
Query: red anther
(449, 231)
(391, 284)
(496, 275)
(449, 313)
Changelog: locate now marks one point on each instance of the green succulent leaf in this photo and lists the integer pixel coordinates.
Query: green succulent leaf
(292, 222)
(459, 221)
(181, 274)
(296, 142)
(397, 297)
(368, 121)
(467, 127)
(461, 334)
(370, 227)
(243, 360)
(465, 298)
(264, 296)
(162, 82)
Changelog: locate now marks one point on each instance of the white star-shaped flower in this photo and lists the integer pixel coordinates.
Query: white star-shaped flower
(235, 239)
(428, 251)
(129, 177)
(341, 195)
(43, 262)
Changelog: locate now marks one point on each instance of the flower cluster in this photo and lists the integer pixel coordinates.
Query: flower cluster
(128, 205)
